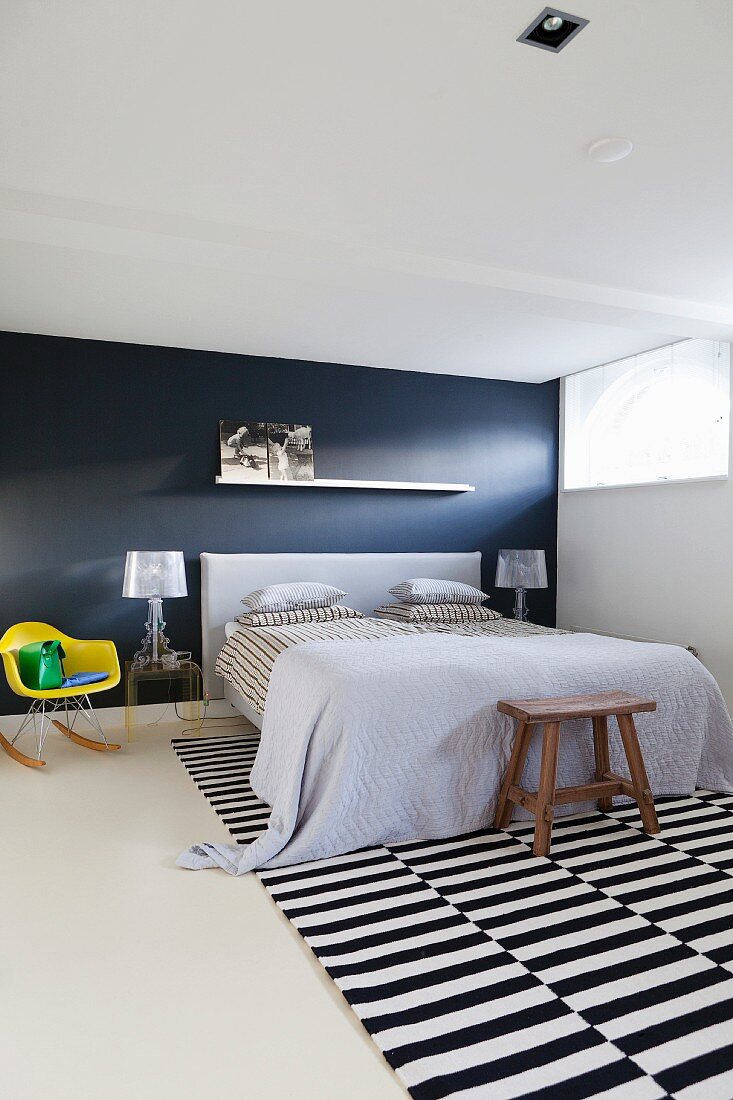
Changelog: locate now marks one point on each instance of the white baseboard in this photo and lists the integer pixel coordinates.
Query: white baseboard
(114, 717)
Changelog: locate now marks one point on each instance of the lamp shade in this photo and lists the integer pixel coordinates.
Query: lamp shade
(521, 569)
(154, 573)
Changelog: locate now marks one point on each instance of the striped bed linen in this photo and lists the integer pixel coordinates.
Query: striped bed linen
(436, 613)
(246, 660)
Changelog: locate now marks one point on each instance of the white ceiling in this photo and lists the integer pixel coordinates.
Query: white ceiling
(392, 184)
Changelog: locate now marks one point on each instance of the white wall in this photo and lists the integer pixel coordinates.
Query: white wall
(654, 562)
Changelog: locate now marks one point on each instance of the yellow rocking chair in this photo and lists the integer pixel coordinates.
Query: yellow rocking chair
(81, 656)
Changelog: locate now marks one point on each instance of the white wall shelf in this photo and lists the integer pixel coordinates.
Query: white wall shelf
(330, 483)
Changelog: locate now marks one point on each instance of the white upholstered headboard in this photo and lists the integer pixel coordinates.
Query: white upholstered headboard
(225, 578)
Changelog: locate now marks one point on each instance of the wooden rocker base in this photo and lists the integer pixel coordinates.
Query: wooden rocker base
(85, 742)
(27, 761)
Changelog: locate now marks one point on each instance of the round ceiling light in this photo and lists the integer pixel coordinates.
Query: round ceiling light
(552, 23)
(609, 149)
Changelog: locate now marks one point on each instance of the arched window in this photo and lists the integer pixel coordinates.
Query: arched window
(662, 415)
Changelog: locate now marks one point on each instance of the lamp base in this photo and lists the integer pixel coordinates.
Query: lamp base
(520, 604)
(155, 647)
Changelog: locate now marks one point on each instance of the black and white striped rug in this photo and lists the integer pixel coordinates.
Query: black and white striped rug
(480, 970)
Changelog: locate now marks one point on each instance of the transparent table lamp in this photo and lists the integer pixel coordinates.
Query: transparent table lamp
(520, 570)
(154, 575)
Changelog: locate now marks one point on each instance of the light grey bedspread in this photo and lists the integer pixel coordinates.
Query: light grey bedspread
(378, 742)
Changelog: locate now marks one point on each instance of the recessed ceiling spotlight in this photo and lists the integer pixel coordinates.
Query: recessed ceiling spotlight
(552, 30)
(606, 150)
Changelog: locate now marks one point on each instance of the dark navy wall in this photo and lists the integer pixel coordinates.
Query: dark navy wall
(108, 447)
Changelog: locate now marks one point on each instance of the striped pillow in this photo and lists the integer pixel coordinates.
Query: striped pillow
(304, 615)
(292, 597)
(426, 590)
(436, 612)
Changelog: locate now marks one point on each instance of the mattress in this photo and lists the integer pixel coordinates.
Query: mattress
(249, 654)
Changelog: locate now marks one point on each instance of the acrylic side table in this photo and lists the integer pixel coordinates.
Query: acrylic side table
(187, 673)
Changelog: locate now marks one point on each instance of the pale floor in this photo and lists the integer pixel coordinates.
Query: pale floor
(123, 976)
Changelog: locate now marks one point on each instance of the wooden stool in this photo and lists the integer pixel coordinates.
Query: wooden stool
(550, 713)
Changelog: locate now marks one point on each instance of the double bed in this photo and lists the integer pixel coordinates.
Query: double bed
(374, 734)
(366, 578)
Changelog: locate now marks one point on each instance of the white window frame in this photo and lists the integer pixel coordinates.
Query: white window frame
(634, 484)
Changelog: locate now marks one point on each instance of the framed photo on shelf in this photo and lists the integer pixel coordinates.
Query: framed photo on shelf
(243, 451)
(290, 452)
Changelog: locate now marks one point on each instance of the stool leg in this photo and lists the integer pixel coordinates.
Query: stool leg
(505, 808)
(639, 780)
(603, 759)
(546, 792)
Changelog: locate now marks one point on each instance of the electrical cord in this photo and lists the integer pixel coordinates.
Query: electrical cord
(166, 706)
(230, 722)
(223, 718)
(228, 719)
(195, 729)
(174, 702)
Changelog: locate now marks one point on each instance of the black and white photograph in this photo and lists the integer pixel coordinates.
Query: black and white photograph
(243, 447)
(290, 452)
